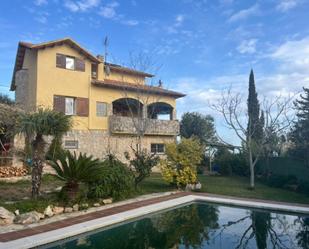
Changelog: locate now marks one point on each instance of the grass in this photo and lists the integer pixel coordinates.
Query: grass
(238, 186)
(229, 186)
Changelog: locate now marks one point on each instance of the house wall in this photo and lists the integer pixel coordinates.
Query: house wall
(52, 80)
(25, 81)
(44, 80)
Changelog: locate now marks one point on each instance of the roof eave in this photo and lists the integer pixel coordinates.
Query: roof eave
(175, 95)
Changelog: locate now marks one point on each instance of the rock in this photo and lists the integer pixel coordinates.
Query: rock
(68, 210)
(58, 210)
(96, 205)
(189, 187)
(27, 218)
(6, 217)
(48, 212)
(42, 216)
(84, 205)
(198, 186)
(58, 188)
(108, 201)
(16, 212)
(9, 202)
(75, 207)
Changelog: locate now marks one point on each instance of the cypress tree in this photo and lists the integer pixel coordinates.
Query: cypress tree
(255, 121)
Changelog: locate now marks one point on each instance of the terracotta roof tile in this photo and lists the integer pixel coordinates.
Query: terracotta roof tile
(126, 86)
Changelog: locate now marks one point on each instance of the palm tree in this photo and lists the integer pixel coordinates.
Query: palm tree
(75, 169)
(34, 126)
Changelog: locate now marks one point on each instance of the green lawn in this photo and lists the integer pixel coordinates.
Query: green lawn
(238, 186)
(229, 186)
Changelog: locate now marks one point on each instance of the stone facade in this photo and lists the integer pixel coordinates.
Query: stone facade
(128, 125)
(21, 91)
(99, 143)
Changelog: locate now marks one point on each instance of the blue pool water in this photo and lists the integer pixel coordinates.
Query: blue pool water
(200, 225)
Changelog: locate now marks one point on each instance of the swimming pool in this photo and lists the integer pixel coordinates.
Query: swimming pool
(200, 225)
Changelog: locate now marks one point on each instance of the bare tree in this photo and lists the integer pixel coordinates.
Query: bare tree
(142, 94)
(277, 119)
(269, 231)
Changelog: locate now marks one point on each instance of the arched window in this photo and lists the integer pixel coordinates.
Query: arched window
(160, 110)
(127, 107)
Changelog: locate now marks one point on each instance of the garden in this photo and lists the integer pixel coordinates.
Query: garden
(199, 161)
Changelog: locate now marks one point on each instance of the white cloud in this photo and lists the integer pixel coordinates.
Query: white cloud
(293, 55)
(202, 93)
(82, 5)
(247, 46)
(286, 5)
(245, 13)
(179, 20)
(287, 77)
(40, 2)
(41, 17)
(130, 22)
(109, 11)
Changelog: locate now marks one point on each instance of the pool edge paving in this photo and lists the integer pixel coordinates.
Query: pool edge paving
(58, 230)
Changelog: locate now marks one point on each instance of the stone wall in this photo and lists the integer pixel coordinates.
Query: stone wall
(99, 143)
(127, 125)
(21, 91)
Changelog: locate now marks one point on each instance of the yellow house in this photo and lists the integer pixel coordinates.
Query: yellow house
(110, 104)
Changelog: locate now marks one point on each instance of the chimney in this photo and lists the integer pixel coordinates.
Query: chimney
(100, 57)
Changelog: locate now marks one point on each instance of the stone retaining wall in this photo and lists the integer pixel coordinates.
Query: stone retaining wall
(99, 143)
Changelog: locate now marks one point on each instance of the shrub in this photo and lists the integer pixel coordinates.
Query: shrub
(142, 164)
(230, 163)
(117, 181)
(239, 165)
(223, 159)
(280, 181)
(303, 187)
(75, 170)
(179, 168)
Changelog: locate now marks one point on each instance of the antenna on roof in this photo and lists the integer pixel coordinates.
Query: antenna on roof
(106, 66)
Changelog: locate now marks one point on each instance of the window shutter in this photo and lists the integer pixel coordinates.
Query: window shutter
(82, 107)
(79, 65)
(59, 103)
(60, 60)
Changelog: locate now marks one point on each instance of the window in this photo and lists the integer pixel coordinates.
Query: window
(71, 144)
(69, 63)
(158, 148)
(101, 109)
(94, 71)
(69, 106)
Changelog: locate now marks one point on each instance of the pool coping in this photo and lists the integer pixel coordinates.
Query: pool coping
(40, 235)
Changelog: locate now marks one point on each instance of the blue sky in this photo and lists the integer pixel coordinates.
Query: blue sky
(204, 46)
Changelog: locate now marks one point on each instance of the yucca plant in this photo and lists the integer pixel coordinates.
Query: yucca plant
(34, 126)
(75, 169)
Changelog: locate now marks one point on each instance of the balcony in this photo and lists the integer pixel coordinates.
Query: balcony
(128, 125)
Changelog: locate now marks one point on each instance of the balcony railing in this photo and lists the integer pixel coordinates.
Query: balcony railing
(128, 125)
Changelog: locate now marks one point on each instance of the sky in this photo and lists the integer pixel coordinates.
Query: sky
(201, 47)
